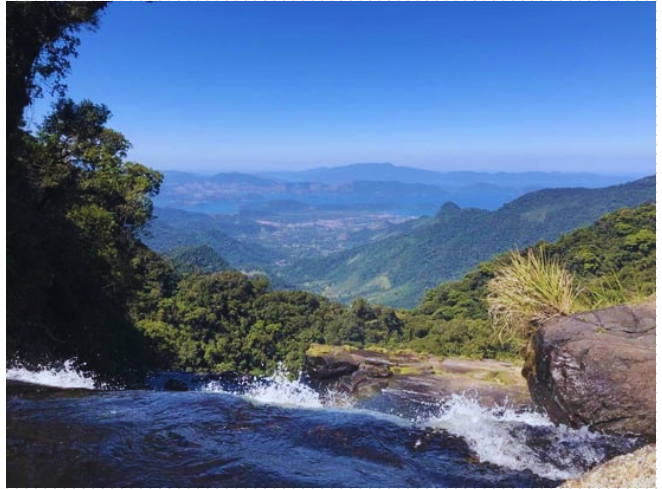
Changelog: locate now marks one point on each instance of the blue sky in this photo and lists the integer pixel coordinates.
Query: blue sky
(500, 86)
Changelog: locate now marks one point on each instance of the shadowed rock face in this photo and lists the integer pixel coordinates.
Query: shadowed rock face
(597, 369)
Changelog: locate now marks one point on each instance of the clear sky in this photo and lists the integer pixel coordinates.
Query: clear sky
(502, 86)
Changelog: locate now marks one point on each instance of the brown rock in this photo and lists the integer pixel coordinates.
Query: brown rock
(364, 373)
(635, 469)
(329, 367)
(597, 369)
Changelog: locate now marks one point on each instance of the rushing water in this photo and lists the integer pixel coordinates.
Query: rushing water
(277, 433)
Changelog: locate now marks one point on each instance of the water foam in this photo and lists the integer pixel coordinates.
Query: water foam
(65, 376)
(279, 389)
(499, 435)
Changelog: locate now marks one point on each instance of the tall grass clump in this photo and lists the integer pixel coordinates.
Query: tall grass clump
(527, 291)
(608, 290)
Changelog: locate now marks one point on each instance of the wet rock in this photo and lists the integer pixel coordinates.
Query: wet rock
(378, 362)
(373, 371)
(348, 371)
(363, 373)
(369, 379)
(597, 369)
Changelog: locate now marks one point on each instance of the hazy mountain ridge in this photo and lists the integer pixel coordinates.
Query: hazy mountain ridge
(385, 172)
(371, 187)
(347, 252)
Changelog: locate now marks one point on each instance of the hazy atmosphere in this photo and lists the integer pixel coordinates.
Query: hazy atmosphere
(439, 85)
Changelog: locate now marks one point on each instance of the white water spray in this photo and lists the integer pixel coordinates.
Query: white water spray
(64, 377)
(279, 389)
(498, 436)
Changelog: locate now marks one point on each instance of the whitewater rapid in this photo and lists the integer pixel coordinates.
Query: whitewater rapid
(65, 376)
(499, 435)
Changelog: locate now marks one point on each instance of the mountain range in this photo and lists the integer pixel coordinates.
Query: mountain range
(378, 187)
(387, 172)
(398, 270)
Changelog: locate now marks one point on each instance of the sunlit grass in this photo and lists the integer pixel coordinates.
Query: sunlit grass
(609, 291)
(529, 290)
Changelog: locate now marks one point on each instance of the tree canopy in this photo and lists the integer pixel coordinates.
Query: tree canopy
(41, 39)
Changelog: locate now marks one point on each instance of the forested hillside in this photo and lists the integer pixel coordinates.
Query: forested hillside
(397, 271)
(613, 261)
(177, 229)
(83, 287)
(228, 321)
(202, 259)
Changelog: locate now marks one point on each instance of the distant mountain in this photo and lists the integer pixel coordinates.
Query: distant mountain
(385, 172)
(376, 172)
(229, 193)
(398, 270)
(371, 187)
(243, 179)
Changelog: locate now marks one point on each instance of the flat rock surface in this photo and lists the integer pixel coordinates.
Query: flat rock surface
(490, 381)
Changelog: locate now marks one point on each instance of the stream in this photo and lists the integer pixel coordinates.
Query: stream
(274, 432)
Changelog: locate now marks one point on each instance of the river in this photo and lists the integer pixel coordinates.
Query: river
(62, 432)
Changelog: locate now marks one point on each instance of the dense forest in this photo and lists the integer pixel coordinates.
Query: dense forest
(82, 284)
(613, 261)
(226, 320)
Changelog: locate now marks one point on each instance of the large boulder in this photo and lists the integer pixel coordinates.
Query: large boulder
(597, 369)
(331, 367)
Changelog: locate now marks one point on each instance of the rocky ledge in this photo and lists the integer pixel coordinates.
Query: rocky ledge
(597, 369)
(366, 372)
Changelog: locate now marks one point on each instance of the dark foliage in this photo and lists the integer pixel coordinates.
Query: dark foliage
(41, 38)
(201, 259)
(73, 240)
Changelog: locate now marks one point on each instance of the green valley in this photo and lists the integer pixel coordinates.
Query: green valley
(398, 270)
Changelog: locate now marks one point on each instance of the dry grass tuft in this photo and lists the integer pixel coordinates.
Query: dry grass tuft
(528, 291)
